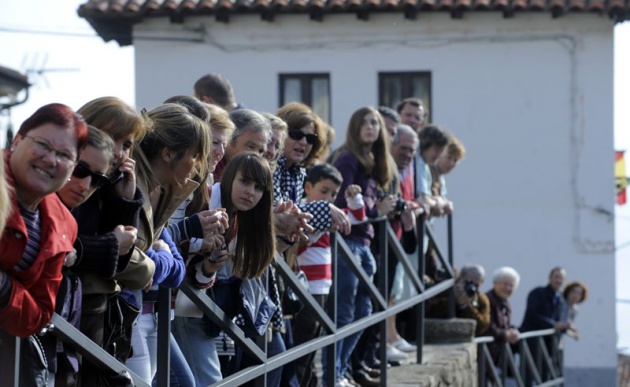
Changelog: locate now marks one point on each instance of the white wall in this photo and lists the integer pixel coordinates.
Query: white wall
(531, 98)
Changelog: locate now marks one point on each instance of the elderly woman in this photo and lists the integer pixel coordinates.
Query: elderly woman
(39, 232)
(505, 280)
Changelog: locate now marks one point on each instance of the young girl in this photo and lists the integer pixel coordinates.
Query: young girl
(167, 157)
(363, 160)
(245, 192)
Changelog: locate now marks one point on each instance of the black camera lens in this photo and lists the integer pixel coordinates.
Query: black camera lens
(470, 288)
(401, 205)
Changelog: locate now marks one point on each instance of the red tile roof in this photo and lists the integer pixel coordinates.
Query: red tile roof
(113, 19)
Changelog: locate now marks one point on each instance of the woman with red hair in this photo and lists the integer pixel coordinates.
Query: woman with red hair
(40, 231)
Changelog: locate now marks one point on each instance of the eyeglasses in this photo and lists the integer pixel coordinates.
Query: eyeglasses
(82, 170)
(43, 146)
(297, 135)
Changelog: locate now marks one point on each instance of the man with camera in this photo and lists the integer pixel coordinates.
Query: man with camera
(469, 302)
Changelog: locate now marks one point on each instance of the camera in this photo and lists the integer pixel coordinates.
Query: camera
(470, 288)
(401, 205)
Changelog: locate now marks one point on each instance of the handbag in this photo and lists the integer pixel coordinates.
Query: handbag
(246, 298)
(119, 318)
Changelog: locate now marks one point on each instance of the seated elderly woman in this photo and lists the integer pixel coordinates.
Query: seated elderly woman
(505, 280)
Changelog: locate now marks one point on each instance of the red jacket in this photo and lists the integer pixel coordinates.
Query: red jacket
(33, 291)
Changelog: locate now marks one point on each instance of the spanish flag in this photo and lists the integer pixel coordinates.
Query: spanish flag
(620, 177)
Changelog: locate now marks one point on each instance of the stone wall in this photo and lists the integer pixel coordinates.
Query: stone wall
(444, 365)
(449, 357)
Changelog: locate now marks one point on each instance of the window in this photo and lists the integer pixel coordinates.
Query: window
(394, 87)
(310, 89)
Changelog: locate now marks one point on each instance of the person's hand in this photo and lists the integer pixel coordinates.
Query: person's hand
(126, 236)
(448, 207)
(352, 190)
(408, 217)
(562, 326)
(70, 259)
(214, 262)
(340, 221)
(461, 297)
(386, 205)
(438, 209)
(573, 333)
(213, 221)
(290, 222)
(512, 335)
(127, 186)
(160, 245)
(212, 243)
(299, 235)
(148, 287)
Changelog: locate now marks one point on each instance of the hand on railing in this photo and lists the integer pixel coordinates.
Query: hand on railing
(340, 221)
(512, 335)
(291, 223)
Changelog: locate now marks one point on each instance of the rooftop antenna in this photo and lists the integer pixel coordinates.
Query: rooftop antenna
(38, 70)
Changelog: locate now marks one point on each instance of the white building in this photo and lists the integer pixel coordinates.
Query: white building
(530, 94)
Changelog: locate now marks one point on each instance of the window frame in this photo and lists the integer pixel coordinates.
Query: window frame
(306, 88)
(406, 91)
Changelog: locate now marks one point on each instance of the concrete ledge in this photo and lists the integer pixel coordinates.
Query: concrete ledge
(445, 365)
(449, 331)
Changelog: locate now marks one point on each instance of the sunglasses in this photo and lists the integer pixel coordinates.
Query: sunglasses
(297, 135)
(82, 170)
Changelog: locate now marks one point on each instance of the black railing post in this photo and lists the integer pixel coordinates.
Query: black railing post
(331, 306)
(421, 306)
(164, 335)
(10, 359)
(383, 275)
(451, 293)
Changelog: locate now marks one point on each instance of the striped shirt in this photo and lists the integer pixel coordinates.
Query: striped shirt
(33, 226)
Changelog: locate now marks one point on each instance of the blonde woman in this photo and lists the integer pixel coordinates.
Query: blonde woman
(5, 205)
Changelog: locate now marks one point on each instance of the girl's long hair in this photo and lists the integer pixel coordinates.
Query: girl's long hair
(375, 160)
(254, 229)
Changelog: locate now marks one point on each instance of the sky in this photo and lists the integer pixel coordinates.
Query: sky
(81, 67)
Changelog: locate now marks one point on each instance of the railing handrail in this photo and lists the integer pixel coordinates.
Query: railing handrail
(68, 334)
(545, 370)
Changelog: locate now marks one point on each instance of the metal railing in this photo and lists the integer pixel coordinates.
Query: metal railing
(379, 293)
(540, 360)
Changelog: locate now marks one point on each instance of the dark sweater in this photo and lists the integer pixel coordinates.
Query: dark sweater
(350, 170)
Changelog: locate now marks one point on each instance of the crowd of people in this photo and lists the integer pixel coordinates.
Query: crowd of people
(101, 207)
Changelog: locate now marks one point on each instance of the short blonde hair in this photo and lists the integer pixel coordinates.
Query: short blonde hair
(220, 119)
(456, 149)
(5, 199)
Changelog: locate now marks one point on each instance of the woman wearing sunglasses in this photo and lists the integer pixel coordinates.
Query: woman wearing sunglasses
(90, 173)
(303, 142)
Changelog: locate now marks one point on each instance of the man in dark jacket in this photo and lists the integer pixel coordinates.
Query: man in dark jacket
(544, 304)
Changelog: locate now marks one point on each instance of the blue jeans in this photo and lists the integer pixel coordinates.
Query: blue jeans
(144, 343)
(353, 302)
(198, 348)
(181, 375)
(274, 347)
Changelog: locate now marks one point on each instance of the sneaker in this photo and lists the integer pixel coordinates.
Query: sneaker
(404, 345)
(395, 355)
(343, 382)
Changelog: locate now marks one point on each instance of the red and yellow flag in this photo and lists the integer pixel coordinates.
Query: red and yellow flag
(620, 177)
